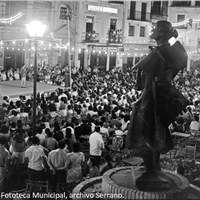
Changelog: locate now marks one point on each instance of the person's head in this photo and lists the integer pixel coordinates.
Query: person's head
(48, 132)
(35, 140)
(13, 125)
(68, 133)
(180, 170)
(4, 129)
(30, 132)
(114, 116)
(19, 124)
(14, 112)
(97, 129)
(189, 109)
(56, 126)
(196, 118)
(39, 130)
(163, 31)
(76, 147)
(61, 144)
(126, 118)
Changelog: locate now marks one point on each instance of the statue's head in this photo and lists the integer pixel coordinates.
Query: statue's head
(163, 31)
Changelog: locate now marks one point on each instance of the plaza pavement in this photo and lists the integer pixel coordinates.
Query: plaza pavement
(13, 89)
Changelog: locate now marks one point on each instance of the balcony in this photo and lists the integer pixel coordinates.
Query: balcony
(115, 36)
(158, 14)
(91, 37)
(140, 16)
(181, 4)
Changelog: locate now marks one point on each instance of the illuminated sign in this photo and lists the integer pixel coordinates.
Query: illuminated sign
(102, 9)
(9, 29)
(108, 49)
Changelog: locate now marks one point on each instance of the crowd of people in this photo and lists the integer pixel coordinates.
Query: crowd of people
(46, 74)
(96, 109)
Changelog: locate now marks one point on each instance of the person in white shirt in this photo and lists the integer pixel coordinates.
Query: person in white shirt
(62, 94)
(41, 135)
(125, 123)
(104, 132)
(62, 111)
(195, 125)
(58, 161)
(96, 145)
(35, 156)
(3, 76)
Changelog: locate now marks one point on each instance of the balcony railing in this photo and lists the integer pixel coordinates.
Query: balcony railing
(181, 3)
(139, 16)
(115, 36)
(91, 37)
(157, 13)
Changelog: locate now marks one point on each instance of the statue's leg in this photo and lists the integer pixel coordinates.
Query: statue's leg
(151, 161)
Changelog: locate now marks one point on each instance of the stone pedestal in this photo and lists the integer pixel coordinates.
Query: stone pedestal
(122, 181)
(119, 183)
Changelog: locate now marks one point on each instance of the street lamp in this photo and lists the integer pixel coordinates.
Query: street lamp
(35, 30)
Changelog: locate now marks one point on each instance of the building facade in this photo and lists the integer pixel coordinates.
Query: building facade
(99, 34)
(185, 17)
(15, 42)
(137, 21)
(99, 42)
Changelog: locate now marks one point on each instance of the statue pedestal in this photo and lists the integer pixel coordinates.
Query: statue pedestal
(119, 183)
(122, 181)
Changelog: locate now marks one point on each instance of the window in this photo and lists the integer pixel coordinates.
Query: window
(143, 13)
(89, 24)
(156, 8)
(181, 3)
(137, 59)
(198, 43)
(132, 9)
(142, 31)
(180, 18)
(129, 61)
(113, 24)
(197, 3)
(131, 31)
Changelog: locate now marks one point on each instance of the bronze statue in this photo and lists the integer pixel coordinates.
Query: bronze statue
(160, 102)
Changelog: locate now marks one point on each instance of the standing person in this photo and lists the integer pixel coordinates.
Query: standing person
(96, 145)
(35, 155)
(57, 161)
(4, 156)
(19, 146)
(23, 76)
(74, 173)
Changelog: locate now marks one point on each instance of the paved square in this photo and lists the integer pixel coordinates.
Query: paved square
(13, 89)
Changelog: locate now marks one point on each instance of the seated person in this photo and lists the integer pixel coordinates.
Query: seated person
(3, 76)
(178, 124)
(195, 125)
(16, 75)
(180, 170)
